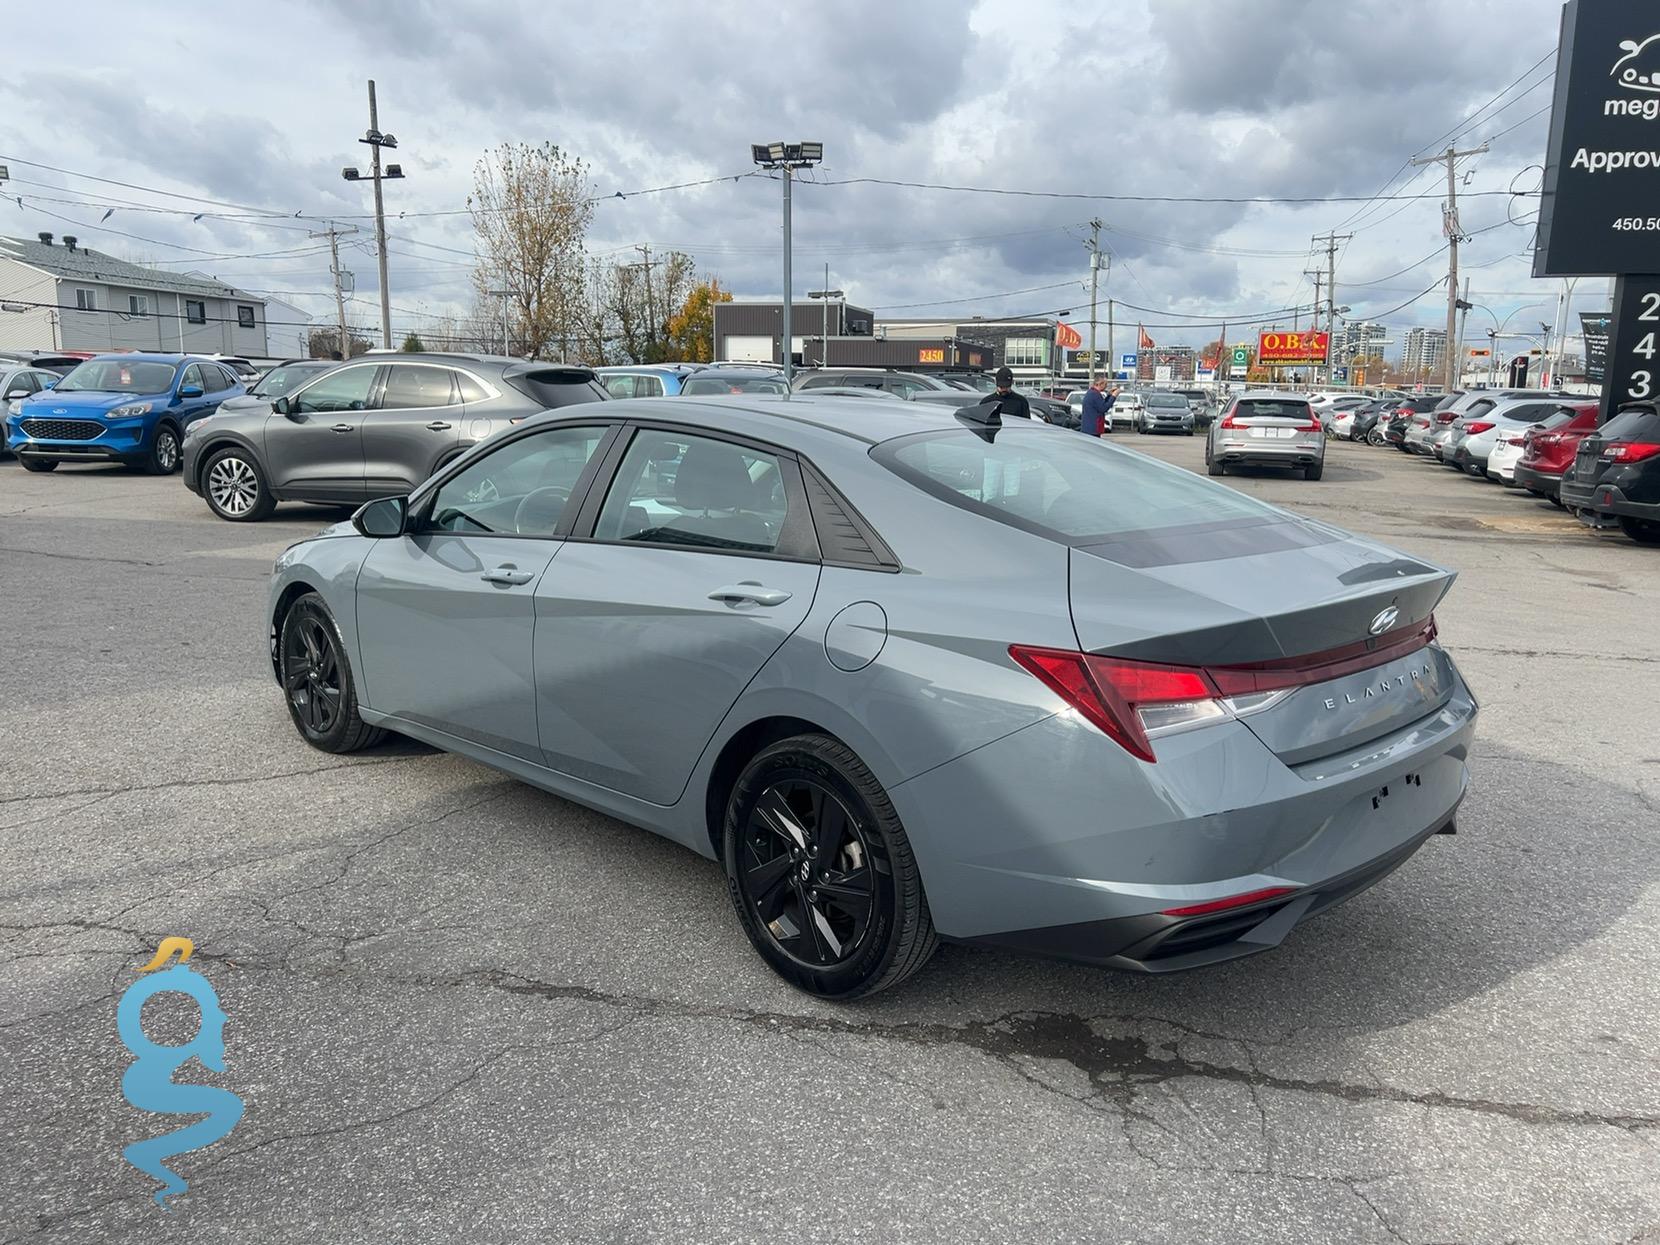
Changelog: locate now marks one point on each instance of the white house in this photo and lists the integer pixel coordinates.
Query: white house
(57, 295)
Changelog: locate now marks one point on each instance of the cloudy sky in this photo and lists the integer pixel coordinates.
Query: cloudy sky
(249, 122)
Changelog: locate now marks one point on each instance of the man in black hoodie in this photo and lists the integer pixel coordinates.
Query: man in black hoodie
(1010, 405)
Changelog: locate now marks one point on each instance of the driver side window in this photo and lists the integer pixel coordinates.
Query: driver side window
(520, 489)
(345, 390)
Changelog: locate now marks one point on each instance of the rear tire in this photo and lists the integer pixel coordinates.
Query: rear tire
(30, 463)
(1643, 531)
(1215, 466)
(1375, 437)
(821, 873)
(1476, 469)
(1315, 470)
(317, 680)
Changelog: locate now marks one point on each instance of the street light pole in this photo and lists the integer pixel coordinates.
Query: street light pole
(393, 172)
(786, 158)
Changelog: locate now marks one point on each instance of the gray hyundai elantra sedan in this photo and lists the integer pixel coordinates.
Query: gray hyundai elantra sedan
(908, 675)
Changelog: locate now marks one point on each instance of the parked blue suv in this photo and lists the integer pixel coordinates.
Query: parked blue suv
(126, 408)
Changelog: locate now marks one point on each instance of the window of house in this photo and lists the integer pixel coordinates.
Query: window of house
(1025, 352)
(138, 304)
(195, 311)
(86, 300)
(244, 317)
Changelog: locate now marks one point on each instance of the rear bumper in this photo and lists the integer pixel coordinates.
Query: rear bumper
(1538, 481)
(1053, 841)
(1248, 455)
(1577, 496)
(1610, 499)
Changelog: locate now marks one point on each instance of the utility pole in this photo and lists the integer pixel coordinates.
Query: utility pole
(1450, 226)
(504, 295)
(825, 295)
(645, 264)
(1222, 349)
(334, 233)
(1111, 366)
(1464, 304)
(1319, 279)
(1094, 245)
(1331, 240)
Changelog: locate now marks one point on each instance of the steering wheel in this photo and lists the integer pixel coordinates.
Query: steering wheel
(541, 508)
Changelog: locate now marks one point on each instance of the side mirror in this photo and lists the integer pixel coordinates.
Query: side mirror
(383, 517)
(190, 391)
(282, 406)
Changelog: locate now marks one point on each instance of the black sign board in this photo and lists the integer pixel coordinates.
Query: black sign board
(1633, 369)
(1593, 326)
(1599, 213)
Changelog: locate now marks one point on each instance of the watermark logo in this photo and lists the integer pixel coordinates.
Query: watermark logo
(148, 1082)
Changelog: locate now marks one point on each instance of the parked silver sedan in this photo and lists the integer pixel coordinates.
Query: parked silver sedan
(1267, 429)
(907, 674)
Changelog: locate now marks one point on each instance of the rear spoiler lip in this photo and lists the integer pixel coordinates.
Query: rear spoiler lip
(526, 367)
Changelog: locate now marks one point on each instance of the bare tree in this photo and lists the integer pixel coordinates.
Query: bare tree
(641, 297)
(531, 211)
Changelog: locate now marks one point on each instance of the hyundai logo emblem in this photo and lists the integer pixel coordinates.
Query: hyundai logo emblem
(1384, 621)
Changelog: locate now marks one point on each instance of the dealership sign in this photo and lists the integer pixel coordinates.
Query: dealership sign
(1593, 326)
(1599, 211)
(1279, 349)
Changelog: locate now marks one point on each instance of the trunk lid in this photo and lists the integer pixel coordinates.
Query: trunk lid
(1261, 592)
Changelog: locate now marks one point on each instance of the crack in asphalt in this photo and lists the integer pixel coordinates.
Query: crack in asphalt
(186, 783)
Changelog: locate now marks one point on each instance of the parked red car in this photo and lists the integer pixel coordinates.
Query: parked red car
(1548, 454)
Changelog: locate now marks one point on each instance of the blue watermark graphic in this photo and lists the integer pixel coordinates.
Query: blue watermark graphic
(148, 1083)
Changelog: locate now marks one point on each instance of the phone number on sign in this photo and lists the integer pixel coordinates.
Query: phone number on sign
(1637, 222)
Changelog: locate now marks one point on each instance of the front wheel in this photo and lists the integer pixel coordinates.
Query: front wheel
(163, 459)
(317, 680)
(821, 872)
(235, 487)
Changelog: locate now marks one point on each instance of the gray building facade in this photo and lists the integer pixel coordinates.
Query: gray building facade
(57, 295)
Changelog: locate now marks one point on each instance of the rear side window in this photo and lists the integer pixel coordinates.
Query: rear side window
(410, 386)
(697, 493)
(1070, 488)
(733, 384)
(1640, 423)
(1480, 407)
(559, 386)
(619, 386)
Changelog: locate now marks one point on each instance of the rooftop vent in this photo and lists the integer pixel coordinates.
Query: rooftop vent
(70, 240)
(45, 238)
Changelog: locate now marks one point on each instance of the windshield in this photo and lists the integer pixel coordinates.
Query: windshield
(1072, 488)
(118, 376)
(733, 384)
(1166, 399)
(279, 380)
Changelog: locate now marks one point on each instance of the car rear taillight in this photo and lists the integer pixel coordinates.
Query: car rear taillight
(1515, 440)
(1631, 451)
(1231, 901)
(1313, 424)
(1471, 430)
(1124, 699)
(1128, 700)
(1404, 410)
(1444, 417)
(1422, 421)
(1228, 421)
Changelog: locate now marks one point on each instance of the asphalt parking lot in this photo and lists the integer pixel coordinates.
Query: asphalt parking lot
(462, 1009)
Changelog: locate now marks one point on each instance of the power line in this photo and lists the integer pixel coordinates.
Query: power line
(973, 298)
(1113, 198)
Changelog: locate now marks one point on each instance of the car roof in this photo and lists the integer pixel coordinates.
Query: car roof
(135, 356)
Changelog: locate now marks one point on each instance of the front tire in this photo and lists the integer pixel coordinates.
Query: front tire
(821, 872)
(163, 458)
(234, 487)
(317, 680)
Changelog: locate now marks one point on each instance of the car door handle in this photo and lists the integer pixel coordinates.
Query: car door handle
(343, 427)
(508, 574)
(438, 425)
(732, 594)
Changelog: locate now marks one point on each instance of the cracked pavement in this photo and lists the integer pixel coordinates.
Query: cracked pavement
(460, 1008)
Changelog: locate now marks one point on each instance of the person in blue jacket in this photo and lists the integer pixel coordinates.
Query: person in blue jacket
(1097, 420)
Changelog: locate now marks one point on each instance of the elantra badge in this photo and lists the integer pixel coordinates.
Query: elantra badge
(1384, 621)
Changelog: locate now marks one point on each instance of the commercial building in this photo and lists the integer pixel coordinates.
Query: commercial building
(1422, 353)
(61, 296)
(1167, 364)
(1358, 340)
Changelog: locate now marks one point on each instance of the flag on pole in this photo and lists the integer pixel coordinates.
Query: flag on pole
(1146, 343)
(1067, 337)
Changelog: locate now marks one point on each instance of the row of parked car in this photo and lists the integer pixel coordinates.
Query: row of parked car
(1546, 443)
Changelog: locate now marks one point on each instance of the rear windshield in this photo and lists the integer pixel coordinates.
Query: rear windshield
(1558, 417)
(559, 386)
(1068, 487)
(118, 376)
(1638, 423)
(1266, 408)
(734, 384)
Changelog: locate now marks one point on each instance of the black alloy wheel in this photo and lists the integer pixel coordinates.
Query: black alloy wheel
(317, 681)
(821, 873)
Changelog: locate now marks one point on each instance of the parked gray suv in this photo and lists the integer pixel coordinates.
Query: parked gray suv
(373, 427)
